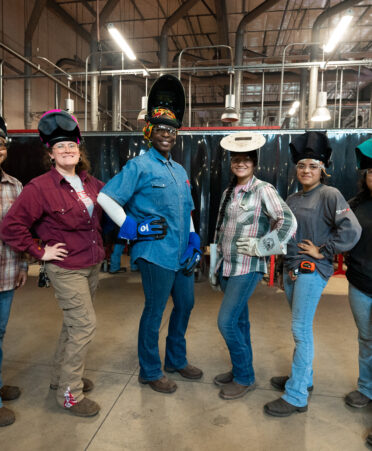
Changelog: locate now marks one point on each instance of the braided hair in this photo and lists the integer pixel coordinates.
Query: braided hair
(230, 189)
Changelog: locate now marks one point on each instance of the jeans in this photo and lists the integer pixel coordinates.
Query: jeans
(303, 296)
(158, 284)
(6, 298)
(115, 258)
(361, 306)
(233, 323)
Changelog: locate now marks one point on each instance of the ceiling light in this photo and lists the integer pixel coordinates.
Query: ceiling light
(229, 114)
(142, 114)
(122, 43)
(294, 108)
(321, 114)
(338, 32)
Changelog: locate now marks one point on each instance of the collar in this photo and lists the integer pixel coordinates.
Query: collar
(155, 154)
(60, 179)
(249, 185)
(5, 178)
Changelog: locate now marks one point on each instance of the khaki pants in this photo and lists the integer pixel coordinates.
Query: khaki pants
(74, 290)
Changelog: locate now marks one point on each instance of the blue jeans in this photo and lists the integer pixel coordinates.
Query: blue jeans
(233, 323)
(361, 306)
(6, 298)
(158, 284)
(115, 258)
(303, 297)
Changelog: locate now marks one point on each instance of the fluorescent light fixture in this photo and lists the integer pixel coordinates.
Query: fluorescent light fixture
(337, 33)
(321, 114)
(294, 108)
(122, 43)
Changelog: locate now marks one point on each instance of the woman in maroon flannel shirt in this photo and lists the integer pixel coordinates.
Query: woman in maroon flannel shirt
(60, 206)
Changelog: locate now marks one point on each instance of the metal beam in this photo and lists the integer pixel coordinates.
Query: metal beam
(175, 17)
(222, 26)
(68, 20)
(31, 26)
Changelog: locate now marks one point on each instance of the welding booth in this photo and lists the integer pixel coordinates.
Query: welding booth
(206, 163)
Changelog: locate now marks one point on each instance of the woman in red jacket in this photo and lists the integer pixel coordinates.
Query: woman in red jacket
(60, 206)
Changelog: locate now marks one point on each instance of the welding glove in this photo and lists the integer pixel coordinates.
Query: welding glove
(261, 247)
(151, 228)
(192, 255)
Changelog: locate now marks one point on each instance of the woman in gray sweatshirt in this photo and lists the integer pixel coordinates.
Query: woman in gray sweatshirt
(326, 227)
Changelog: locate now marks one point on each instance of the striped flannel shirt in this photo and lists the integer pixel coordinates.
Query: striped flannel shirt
(253, 211)
(11, 262)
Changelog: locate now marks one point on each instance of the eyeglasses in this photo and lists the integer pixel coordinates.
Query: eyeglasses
(369, 171)
(164, 129)
(311, 166)
(243, 160)
(61, 147)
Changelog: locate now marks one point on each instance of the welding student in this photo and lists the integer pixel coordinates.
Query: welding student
(326, 227)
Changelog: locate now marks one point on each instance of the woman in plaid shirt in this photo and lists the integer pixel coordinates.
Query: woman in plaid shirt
(253, 222)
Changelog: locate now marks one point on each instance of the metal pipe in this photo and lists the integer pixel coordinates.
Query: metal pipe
(94, 89)
(201, 48)
(303, 84)
(190, 100)
(178, 14)
(313, 91)
(115, 103)
(239, 44)
(38, 68)
(262, 98)
(335, 106)
(282, 74)
(1, 89)
(340, 105)
(357, 100)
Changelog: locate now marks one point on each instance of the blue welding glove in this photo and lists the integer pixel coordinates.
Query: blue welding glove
(192, 255)
(151, 228)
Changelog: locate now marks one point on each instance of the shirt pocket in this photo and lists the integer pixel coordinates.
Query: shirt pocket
(64, 216)
(246, 210)
(163, 192)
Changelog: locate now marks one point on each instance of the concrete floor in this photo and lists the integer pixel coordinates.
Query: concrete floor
(134, 417)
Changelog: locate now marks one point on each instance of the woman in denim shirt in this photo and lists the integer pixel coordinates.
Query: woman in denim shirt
(155, 193)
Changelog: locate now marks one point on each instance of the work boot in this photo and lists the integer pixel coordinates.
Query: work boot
(84, 408)
(88, 385)
(279, 382)
(162, 385)
(281, 408)
(9, 392)
(223, 378)
(357, 399)
(189, 372)
(233, 390)
(6, 416)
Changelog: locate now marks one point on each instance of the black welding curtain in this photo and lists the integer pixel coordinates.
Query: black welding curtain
(206, 163)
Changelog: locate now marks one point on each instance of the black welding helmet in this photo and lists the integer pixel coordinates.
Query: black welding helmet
(166, 102)
(58, 125)
(313, 145)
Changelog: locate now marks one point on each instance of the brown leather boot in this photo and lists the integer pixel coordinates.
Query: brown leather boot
(223, 378)
(162, 385)
(233, 390)
(9, 392)
(84, 408)
(7, 416)
(189, 372)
